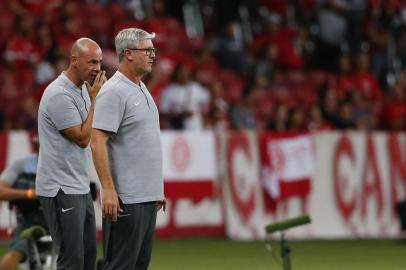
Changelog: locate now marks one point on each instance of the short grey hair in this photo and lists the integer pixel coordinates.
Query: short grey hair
(130, 38)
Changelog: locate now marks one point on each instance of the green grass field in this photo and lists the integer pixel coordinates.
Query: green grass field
(221, 253)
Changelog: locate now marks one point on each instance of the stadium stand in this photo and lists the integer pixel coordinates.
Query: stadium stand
(343, 59)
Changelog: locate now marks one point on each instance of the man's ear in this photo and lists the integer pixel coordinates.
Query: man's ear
(128, 55)
(74, 60)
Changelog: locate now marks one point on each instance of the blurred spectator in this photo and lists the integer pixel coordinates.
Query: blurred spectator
(37, 8)
(45, 68)
(356, 16)
(184, 102)
(22, 48)
(361, 112)
(329, 107)
(333, 29)
(289, 42)
(218, 100)
(400, 36)
(378, 40)
(354, 48)
(7, 24)
(242, 115)
(229, 49)
(342, 81)
(264, 103)
(365, 80)
(266, 63)
(27, 115)
(217, 120)
(71, 26)
(345, 118)
(316, 121)
(218, 115)
(297, 119)
(45, 72)
(394, 108)
(279, 121)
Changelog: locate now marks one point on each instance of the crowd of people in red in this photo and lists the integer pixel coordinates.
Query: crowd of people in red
(302, 65)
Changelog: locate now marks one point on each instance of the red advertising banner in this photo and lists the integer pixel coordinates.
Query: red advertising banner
(235, 183)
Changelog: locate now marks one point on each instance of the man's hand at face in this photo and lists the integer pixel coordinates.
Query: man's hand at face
(97, 84)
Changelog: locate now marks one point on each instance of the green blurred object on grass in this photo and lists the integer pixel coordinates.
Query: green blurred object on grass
(224, 254)
(33, 232)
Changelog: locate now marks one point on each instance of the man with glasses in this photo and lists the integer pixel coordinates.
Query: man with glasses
(148, 51)
(127, 154)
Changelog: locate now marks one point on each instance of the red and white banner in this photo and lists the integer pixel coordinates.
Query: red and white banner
(214, 187)
(189, 164)
(190, 173)
(191, 187)
(359, 177)
(287, 164)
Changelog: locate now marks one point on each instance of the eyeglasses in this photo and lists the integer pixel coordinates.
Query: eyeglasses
(148, 51)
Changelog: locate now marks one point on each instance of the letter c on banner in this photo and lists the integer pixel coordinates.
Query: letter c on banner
(245, 203)
(344, 148)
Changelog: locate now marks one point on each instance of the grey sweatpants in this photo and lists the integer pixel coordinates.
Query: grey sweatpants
(71, 222)
(128, 241)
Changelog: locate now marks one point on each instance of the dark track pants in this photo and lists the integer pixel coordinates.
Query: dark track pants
(71, 222)
(128, 241)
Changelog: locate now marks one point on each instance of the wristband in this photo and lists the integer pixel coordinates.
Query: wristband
(29, 193)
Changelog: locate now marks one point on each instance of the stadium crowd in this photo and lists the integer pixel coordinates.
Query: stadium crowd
(264, 64)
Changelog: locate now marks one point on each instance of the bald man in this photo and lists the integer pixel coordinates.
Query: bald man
(65, 119)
